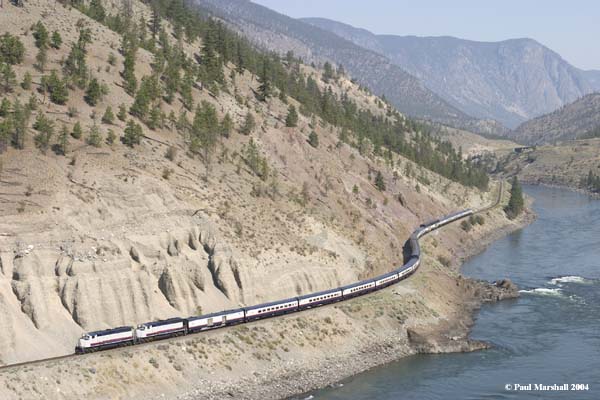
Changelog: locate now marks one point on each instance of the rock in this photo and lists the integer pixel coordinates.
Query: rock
(134, 254)
(173, 249)
(507, 284)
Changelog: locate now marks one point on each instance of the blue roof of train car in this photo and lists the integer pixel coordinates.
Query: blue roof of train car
(164, 321)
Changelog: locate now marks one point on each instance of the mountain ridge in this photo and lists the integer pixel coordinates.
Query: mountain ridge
(277, 32)
(511, 81)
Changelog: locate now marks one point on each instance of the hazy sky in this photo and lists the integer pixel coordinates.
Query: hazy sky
(569, 27)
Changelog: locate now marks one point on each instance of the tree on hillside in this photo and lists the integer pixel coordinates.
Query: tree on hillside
(59, 94)
(291, 120)
(133, 134)
(205, 132)
(379, 182)
(12, 49)
(20, 118)
(93, 94)
(226, 125)
(56, 40)
(77, 131)
(516, 202)
(109, 116)
(249, 124)
(8, 78)
(264, 90)
(313, 139)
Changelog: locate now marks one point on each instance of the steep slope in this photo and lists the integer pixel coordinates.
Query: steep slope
(510, 81)
(280, 33)
(572, 121)
(98, 232)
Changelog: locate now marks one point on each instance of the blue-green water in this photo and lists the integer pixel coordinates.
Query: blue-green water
(550, 335)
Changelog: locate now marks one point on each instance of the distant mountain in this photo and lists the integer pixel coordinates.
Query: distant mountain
(280, 33)
(572, 121)
(510, 81)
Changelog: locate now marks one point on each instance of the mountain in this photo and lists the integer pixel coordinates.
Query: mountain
(511, 81)
(572, 121)
(277, 32)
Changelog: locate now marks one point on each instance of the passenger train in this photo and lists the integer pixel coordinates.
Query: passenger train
(124, 336)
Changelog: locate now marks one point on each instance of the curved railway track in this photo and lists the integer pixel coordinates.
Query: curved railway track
(395, 276)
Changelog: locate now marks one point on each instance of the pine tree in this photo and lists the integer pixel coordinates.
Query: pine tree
(8, 78)
(109, 116)
(26, 84)
(56, 40)
(59, 94)
(5, 108)
(379, 182)
(45, 129)
(226, 125)
(111, 137)
(313, 139)
(63, 140)
(40, 34)
(264, 90)
(122, 114)
(249, 124)
(12, 49)
(291, 120)
(95, 137)
(77, 131)
(20, 119)
(93, 92)
(96, 11)
(516, 203)
(133, 134)
(328, 72)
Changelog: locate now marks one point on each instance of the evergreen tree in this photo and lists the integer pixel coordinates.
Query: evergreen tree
(96, 10)
(8, 78)
(77, 131)
(313, 139)
(26, 84)
(41, 58)
(59, 94)
(249, 124)
(122, 114)
(45, 129)
(93, 93)
(95, 137)
(226, 125)
(516, 203)
(75, 67)
(12, 49)
(264, 90)
(63, 141)
(5, 108)
(379, 182)
(56, 40)
(111, 137)
(109, 116)
(205, 132)
(328, 73)
(291, 120)
(40, 34)
(20, 120)
(133, 134)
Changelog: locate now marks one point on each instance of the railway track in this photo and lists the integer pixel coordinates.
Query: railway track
(51, 359)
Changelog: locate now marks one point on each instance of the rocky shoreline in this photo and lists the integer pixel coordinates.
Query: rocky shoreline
(432, 312)
(449, 337)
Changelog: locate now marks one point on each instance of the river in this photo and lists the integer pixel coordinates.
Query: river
(550, 335)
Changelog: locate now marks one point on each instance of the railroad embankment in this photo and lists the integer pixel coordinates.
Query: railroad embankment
(431, 312)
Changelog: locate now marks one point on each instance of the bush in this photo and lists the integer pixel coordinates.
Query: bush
(466, 226)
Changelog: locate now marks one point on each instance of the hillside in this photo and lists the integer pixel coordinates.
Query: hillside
(280, 33)
(510, 81)
(574, 164)
(575, 120)
(138, 183)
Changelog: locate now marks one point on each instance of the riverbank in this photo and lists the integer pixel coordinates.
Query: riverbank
(431, 312)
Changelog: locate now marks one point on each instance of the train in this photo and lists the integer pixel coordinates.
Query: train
(156, 330)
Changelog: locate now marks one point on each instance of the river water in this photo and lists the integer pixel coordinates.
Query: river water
(550, 335)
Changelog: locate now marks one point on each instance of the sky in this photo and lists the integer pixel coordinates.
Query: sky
(569, 27)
